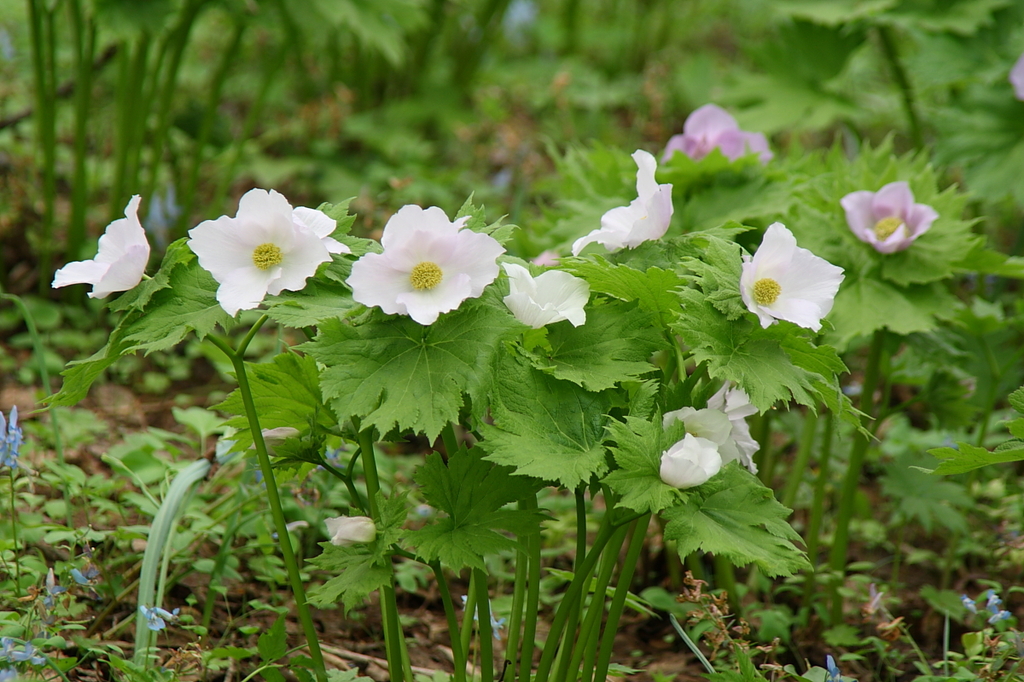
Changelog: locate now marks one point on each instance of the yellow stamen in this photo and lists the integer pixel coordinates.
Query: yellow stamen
(886, 226)
(766, 291)
(426, 276)
(266, 256)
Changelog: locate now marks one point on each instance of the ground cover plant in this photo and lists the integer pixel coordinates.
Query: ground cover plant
(534, 340)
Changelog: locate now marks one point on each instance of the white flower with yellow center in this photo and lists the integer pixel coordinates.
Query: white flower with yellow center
(263, 249)
(549, 297)
(647, 217)
(120, 260)
(430, 265)
(785, 282)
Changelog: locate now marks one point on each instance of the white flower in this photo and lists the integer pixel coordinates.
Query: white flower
(549, 297)
(262, 250)
(785, 282)
(646, 218)
(430, 265)
(715, 425)
(349, 530)
(690, 462)
(120, 260)
(735, 403)
(323, 226)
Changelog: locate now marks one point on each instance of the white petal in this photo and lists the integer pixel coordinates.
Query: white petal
(475, 255)
(646, 166)
(79, 272)
(244, 288)
(319, 222)
(124, 273)
(349, 530)
(375, 282)
(217, 244)
(425, 306)
(300, 262)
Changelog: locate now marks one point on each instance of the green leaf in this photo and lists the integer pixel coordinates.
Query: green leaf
(357, 575)
(735, 516)
(966, 457)
(613, 346)
(718, 274)
(273, 644)
(391, 371)
(639, 444)
(544, 427)
(187, 304)
(923, 498)
(286, 392)
(743, 353)
(137, 298)
(866, 304)
(653, 288)
(318, 301)
(472, 492)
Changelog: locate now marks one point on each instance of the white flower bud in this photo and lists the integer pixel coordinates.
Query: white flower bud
(348, 530)
(690, 462)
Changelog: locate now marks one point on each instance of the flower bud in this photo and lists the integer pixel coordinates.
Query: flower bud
(690, 462)
(348, 530)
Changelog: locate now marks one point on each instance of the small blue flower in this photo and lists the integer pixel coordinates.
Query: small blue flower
(87, 577)
(156, 617)
(994, 602)
(8, 674)
(497, 625)
(968, 603)
(998, 616)
(28, 653)
(6, 647)
(834, 675)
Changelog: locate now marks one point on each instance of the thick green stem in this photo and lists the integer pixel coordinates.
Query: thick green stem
(619, 599)
(84, 33)
(851, 482)
(458, 653)
(294, 576)
(515, 620)
(43, 67)
(803, 456)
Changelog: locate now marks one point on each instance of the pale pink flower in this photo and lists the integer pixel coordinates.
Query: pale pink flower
(888, 219)
(785, 282)
(1017, 78)
(548, 259)
(120, 260)
(690, 462)
(711, 126)
(430, 265)
(647, 217)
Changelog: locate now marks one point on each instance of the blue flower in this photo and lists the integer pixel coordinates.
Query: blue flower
(994, 602)
(156, 617)
(497, 625)
(998, 616)
(52, 590)
(833, 670)
(8, 674)
(28, 653)
(968, 603)
(87, 577)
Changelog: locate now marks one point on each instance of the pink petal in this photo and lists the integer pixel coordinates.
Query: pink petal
(920, 218)
(859, 215)
(709, 121)
(675, 144)
(1017, 78)
(892, 201)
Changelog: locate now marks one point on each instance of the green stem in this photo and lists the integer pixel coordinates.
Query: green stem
(349, 483)
(621, 592)
(483, 609)
(888, 42)
(276, 511)
(14, 537)
(515, 620)
(585, 650)
(818, 509)
(532, 597)
(458, 653)
(468, 609)
(803, 456)
(451, 443)
(43, 67)
(766, 453)
(84, 33)
(851, 482)
(388, 604)
(572, 594)
(725, 578)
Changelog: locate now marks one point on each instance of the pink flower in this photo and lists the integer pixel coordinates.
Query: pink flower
(711, 126)
(1017, 78)
(888, 219)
